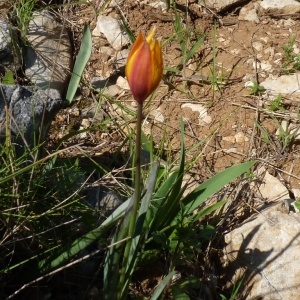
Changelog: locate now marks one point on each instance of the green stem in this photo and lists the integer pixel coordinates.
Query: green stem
(137, 183)
(137, 200)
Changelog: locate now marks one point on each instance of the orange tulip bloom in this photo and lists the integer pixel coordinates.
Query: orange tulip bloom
(144, 66)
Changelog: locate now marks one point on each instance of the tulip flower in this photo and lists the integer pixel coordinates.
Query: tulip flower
(144, 66)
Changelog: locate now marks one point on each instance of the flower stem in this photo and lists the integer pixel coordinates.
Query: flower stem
(137, 177)
(137, 200)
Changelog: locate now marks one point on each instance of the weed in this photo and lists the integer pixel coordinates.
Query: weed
(256, 88)
(276, 104)
(291, 62)
(23, 10)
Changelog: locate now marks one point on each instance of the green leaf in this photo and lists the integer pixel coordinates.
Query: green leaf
(213, 185)
(140, 228)
(194, 49)
(170, 206)
(111, 270)
(160, 288)
(80, 63)
(8, 78)
(207, 210)
(297, 204)
(65, 254)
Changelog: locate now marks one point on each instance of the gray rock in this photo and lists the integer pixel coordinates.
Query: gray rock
(121, 58)
(102, 200)
(271, 188)
(48, 60)
(10, 56)
(30, 112)
(266, 250)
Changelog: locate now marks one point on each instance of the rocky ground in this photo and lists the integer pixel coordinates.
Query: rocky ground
(216, 91)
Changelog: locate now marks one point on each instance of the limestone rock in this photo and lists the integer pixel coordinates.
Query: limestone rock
(285, 84)
(266, 250)
(249, 13)
(204, 118)
(112, 30)
(158, 115)
(281, 7)
(222, 5)
(271, 188)
(48, 60)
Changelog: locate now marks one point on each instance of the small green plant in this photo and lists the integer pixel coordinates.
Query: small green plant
(256, 88)
(276, 104)
(23, 10)
(286, 136)
(291, 62)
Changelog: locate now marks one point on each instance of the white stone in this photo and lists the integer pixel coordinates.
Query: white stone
(296, 50)
(265, 39)
(121, 58)
(229, 139)
(270, 51)
(158, 116)
(258, 46)
(249, 84)
(265, 66)
(111, 90)
(111, 29)
(159, 4)
(281, 6)
(286, 84)
(271, 188)
(123, 83)
(204, 118)
(267, 247)
(241, 138)
(247, 14)
(85, 123)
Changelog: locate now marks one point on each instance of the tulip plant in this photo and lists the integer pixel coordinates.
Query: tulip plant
(143, 71)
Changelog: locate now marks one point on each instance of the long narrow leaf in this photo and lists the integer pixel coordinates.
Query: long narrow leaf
(81, 243)
(140, 228)
(166, 214)
(213, 185)
(111, 269)
(80, 63)
(207, 210)
(159, 289)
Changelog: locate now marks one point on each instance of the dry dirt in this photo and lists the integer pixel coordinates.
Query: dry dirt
(233, 50)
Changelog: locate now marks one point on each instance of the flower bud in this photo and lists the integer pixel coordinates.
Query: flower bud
(144, 66)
